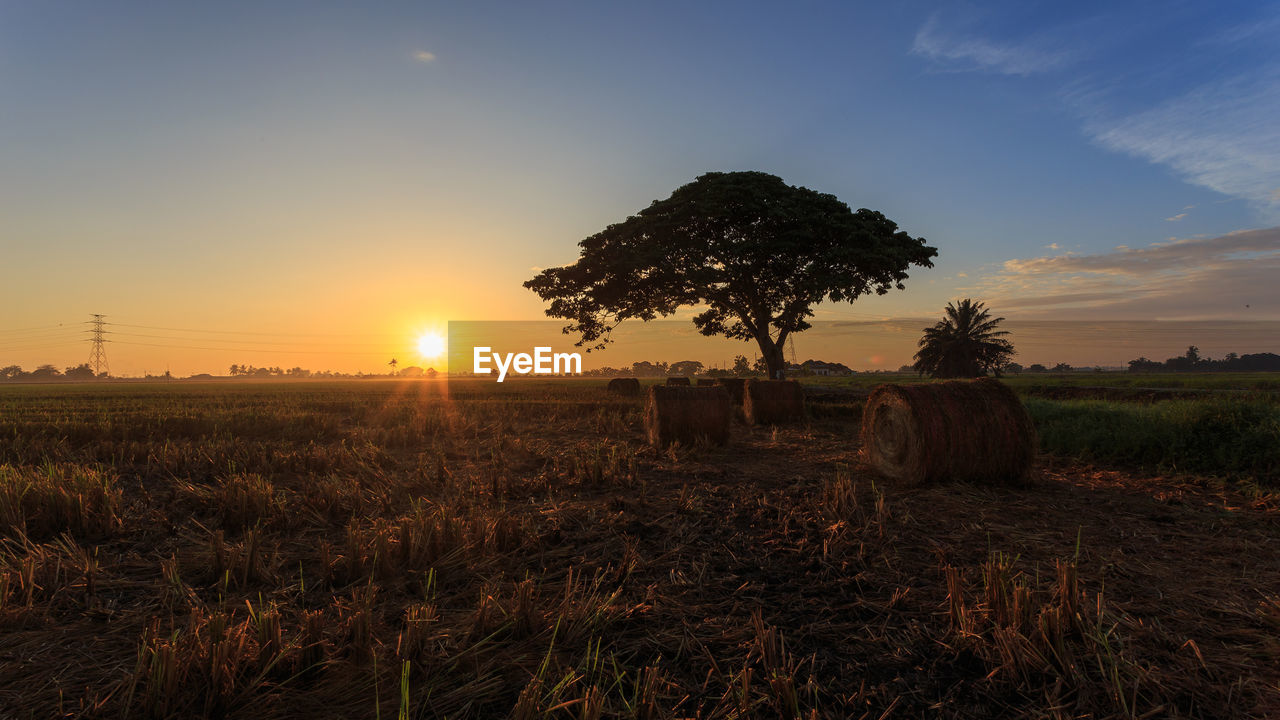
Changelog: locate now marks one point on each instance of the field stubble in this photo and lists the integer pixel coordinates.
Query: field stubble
(429, 550)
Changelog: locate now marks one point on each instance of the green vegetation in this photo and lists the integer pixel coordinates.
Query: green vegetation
(1213, 436)
(965, 343)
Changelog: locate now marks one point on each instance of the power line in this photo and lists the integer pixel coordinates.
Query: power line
(251, 349)
(28, 329)
(268, 345)
(249, 332)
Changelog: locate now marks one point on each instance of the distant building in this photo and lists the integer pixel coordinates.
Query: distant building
(825, 369)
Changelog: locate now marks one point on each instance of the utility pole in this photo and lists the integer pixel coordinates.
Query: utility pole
(98, 354)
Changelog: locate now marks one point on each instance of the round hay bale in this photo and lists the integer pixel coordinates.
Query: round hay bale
(629, 387)
(769, 402)
(958, 430)
(682, 381)
(708, 382)
(687, 415)
(735, 386)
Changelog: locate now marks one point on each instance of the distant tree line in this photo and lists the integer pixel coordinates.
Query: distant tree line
(683, 368)
(742, 367)
(46, 373)
(1191, 361)
(300, 373)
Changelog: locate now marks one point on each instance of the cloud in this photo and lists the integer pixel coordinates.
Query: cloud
(423, 56)
(1194, 278)
(1176, 218)
(1223, 136)
(1245, 32)
(972, 53)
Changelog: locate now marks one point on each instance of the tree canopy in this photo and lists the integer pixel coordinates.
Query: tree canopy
(965, 343)
(753, 253)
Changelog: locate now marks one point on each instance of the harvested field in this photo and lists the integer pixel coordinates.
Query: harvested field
(472, 550)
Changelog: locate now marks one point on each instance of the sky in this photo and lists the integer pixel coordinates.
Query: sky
(318, 184)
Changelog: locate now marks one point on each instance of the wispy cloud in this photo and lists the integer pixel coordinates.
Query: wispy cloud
(1222, 136)
(958, 51)
(1245, 32)
(1194, 278)
(1176, 218)
(423, 56)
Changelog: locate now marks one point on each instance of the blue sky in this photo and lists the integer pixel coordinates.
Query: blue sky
(353, 170)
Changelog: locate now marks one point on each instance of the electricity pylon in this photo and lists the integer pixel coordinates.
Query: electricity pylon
(98, 354)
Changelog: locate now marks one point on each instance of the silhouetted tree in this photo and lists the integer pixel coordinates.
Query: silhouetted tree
(965, 343)
(46, 372)
(758, 253)
(1062, 368)
(644, 368)
(741, 366)
(11, 372)
(393, 364)
(685, 368)
(1143, 365)
(80, 372)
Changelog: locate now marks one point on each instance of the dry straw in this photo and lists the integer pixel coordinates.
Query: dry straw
(960, 430)
(624, 386)
(769, 402)
(684, 381)
(687, 415)
(708, 382)
(735, 386)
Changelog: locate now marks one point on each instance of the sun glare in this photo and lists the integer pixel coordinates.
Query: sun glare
(431, 345)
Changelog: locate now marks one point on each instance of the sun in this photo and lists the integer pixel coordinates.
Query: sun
(431, 345)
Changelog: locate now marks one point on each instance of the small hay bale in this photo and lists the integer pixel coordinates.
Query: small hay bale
(686, 415)
(629, 387)
(959, 430)
(682, 381)
(769, 402)
(708, 382)
(735, 386)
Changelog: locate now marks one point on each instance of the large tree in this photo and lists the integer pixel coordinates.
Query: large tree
(965, 343)
(754, 253)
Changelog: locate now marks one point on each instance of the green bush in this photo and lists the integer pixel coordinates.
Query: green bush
(1220, 436)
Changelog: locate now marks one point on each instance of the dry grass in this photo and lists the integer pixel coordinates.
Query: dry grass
(687, 415)
(390, 549)
(975, 430)
(770, 402)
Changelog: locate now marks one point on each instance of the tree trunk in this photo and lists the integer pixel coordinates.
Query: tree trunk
(772, 354)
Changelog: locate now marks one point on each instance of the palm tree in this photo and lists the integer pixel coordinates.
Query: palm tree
(393, 364)
(965, 343)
